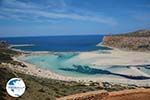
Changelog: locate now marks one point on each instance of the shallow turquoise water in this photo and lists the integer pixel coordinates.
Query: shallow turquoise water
(58, 63)
(145, 69)
(53, 62)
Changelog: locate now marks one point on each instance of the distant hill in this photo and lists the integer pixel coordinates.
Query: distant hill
(138, 33)
(136, 41)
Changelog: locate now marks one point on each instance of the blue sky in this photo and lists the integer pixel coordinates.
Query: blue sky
(72, 17)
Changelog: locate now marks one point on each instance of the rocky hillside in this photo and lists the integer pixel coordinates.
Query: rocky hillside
(137, 41)
(138, 33)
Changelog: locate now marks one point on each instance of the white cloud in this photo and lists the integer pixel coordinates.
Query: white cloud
(22, 10)
(18, 4)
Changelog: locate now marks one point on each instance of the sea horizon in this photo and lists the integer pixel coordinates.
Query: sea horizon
(55, 35)
(57, 43)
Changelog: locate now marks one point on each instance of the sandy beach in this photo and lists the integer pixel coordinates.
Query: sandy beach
(114, 57)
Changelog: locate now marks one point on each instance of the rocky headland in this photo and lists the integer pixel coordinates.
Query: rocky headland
(136, 41)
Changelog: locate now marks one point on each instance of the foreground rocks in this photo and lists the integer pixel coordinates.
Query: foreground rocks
(3, 44)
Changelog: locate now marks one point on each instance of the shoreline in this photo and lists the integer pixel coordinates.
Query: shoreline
(36, 71)
(21, 45)
(39, 72)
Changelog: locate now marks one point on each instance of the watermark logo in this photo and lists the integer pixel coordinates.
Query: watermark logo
(15, 87)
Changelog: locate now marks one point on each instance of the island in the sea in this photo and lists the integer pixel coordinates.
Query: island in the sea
(119, 71)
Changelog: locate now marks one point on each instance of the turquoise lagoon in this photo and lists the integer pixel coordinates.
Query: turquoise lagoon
(60, 63)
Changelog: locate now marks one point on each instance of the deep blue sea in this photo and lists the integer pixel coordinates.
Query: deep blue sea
(57, 43)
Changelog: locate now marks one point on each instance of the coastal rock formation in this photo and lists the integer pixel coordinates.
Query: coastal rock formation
(3, 44)
(138, 41)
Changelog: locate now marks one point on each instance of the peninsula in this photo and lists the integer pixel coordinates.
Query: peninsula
(135, 41)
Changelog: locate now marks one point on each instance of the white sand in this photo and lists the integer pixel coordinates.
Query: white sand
(116, 57)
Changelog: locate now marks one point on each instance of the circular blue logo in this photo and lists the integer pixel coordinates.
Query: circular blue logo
(15, 87)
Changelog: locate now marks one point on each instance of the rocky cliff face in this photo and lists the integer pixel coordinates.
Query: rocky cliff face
(131, 41)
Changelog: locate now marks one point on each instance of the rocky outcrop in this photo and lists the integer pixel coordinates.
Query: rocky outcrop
(3, 44)
(135, 42)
